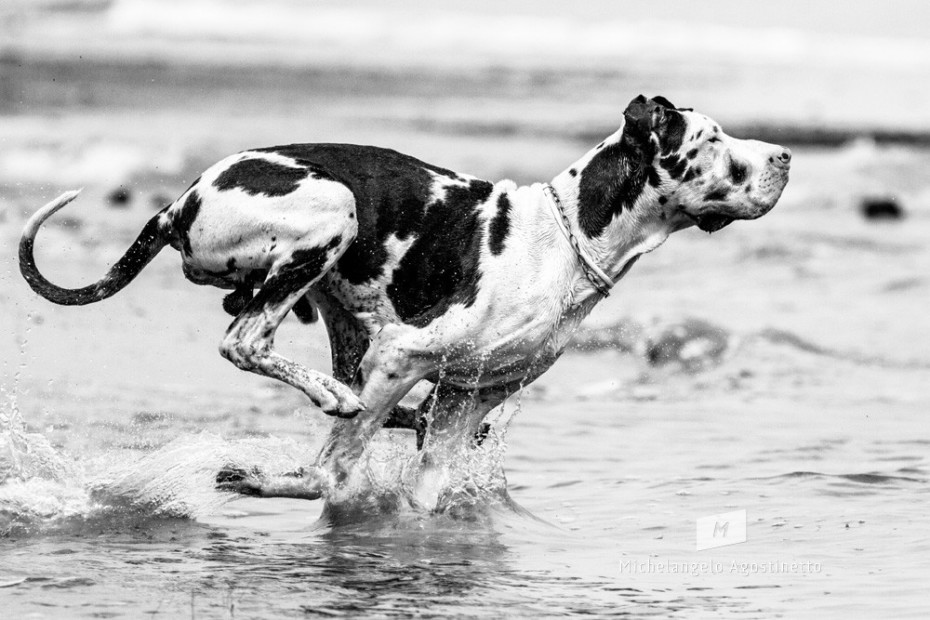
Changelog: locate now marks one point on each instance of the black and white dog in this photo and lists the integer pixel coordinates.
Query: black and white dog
(421, 273)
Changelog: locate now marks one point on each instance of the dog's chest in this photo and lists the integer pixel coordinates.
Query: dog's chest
(518, 356)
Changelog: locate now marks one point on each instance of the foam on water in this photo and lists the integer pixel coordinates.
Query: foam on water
(42, 489)
(37, 484)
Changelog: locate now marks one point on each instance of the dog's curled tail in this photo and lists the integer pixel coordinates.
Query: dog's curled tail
(149, 242)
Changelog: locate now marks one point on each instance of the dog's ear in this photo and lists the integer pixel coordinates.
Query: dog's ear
(656, 116)
(638, 117)
(662, 101)
(665, 103)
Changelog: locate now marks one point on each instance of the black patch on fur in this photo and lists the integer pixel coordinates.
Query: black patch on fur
(717, 195)
(305, 266)
(499, 227)
(572, 172)
(305, 311)
(662, 200)
(675, 165)
(647, 116)
(614, 179)
(391, 192)
(184, 219)
(670, 162)
(699, 134)
(230, 269)
(257, 176)
(235, 302)
(405, 417)
(653, 176)
(738, 171)
(441, 268)
(690, 174)
(692, 153)
(672, 134)
(712, 222)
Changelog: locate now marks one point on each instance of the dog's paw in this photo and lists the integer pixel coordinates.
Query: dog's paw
(345, 405)
(299, 484)
(237, 480)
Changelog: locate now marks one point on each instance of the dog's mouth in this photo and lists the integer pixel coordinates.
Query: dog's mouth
(710, 222)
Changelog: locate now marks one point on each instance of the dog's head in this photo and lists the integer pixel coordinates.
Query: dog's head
(702, 176)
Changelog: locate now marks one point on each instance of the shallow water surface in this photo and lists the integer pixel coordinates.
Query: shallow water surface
(837, 518)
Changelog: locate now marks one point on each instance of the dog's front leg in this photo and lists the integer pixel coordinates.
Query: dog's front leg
(455, 430)
(393, 364)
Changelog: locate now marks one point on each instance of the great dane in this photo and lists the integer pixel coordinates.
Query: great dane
(424, 274)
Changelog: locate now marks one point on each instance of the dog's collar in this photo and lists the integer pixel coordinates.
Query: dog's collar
(601, 281)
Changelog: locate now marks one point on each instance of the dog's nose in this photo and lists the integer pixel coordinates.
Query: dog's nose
(780, 157)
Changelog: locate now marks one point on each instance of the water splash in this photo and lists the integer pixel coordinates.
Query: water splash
(37, 483)
(42, 489)
(178, 479)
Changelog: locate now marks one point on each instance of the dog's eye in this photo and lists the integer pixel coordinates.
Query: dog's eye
(714, 139)
(738, 171)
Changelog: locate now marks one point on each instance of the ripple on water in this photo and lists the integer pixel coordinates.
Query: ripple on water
(852, 484)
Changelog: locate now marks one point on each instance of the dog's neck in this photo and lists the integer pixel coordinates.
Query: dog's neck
(615, 219)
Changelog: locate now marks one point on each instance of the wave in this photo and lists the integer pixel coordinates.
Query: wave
(451, 32)
(694, 345)
(858, 478)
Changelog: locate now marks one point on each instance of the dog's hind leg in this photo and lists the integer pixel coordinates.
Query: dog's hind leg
(348, 338)
(249, 340)
(348, 342)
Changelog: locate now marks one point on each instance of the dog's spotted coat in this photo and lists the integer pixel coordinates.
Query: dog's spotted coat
(419, 271)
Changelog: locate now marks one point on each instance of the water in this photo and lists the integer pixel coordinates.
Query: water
(836, 495)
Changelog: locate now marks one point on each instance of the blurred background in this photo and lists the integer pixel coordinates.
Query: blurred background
(132, 99)
(135, 84)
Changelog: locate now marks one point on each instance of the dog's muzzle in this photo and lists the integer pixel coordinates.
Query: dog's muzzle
(765, 190)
